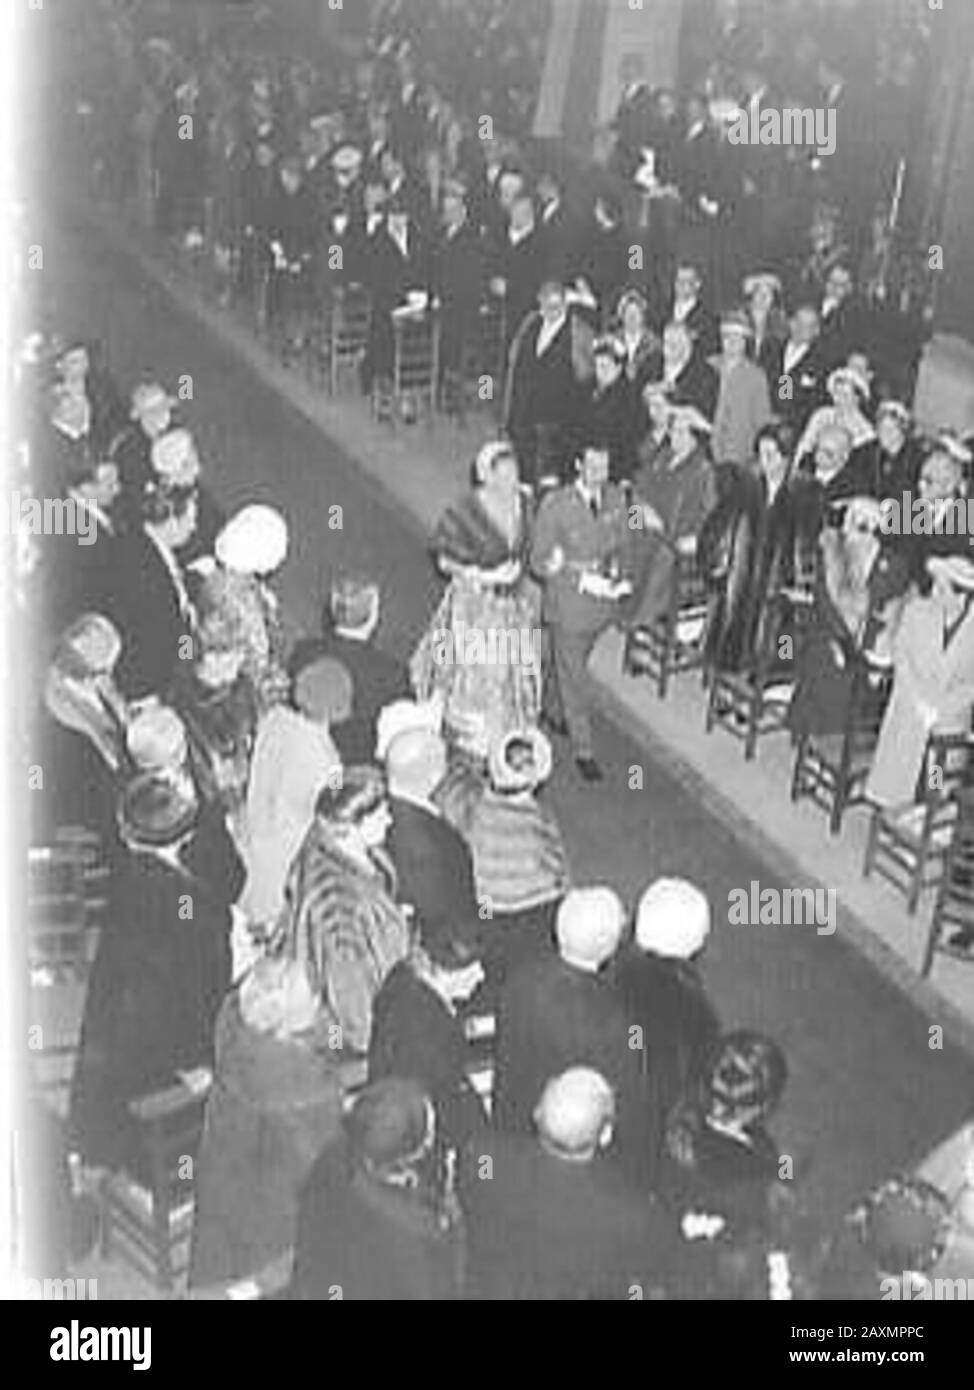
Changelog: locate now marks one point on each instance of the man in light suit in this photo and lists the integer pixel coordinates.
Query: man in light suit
(743, 399)
(580, 550)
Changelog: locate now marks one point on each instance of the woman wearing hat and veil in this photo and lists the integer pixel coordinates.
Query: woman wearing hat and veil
(479, 545)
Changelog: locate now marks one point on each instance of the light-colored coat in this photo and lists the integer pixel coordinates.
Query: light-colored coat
(743, 406)
(933, 688)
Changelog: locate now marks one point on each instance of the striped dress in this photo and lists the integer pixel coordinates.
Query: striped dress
(519, 855)
(342, 923)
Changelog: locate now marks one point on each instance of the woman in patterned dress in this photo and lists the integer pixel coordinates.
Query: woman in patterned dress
(479, 545)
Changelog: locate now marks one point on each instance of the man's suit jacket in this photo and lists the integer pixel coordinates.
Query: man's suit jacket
(806, 376)
(152, 619)
(457, 279)
(545, 1229)
(743, 406)
(435, 870)
(414, 1035)
(551, 1016)
(377, 680)
(564, 520)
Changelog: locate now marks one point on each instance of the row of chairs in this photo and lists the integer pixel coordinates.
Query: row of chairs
(918, 846)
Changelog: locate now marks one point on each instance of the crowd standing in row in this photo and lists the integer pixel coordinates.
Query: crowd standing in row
(372, 864)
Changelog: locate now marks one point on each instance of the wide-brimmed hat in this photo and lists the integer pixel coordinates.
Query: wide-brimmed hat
(174, 457)
(150, 395)
(897, 411)
(346, 158)
(254, 541)
(763, 277)
(956, 448)
(93, 643)
(504, 776)
(737, 321)
(958, 570)
(691, 416)
(157, 809)
(851, 377)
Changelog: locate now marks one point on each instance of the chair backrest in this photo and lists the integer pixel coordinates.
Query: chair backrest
(947, 767)
(57, 909)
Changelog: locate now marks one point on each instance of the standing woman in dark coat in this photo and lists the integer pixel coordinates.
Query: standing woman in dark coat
(746, 546)
(659, 980)
(162, 968)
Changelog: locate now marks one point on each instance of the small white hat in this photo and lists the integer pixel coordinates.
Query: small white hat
(851, 377)
(174, 457)
(673, 919)
(254, 541)
(156, 739)
(589, 927)
(405, 716)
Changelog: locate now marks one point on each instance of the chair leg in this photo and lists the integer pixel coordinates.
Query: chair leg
(838, 809)
(872, 844)
(753, 715)
(796, 776)
(913, 896)
(711, 703)
(933, 938)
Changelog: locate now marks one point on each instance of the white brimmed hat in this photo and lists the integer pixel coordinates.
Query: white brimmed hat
(254, 541)
(851, 377)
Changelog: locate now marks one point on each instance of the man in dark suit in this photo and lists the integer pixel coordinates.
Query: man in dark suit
(417, 1034)
(554, 230)
(516, 268)
(842, 318)
(563, 1010)
(155, 604)
(552, 1218)
(432, 860)
(796, 376)
(374, 1221)
(457, 281)
(377, 678)
(686, 306)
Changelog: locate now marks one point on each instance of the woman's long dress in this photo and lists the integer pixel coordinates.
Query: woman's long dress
(488, 692)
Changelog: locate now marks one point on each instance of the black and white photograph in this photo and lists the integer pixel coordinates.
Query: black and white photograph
(488, 567)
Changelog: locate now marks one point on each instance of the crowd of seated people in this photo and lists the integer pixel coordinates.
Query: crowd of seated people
(338, 947)
(338, 839)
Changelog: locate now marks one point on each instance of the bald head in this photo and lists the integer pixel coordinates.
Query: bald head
(415, 763)
(589, 928)
(832, 450)
(575, 1114)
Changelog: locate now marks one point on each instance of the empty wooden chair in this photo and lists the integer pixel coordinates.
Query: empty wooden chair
(832, 768)
(952, 925)
(345, 335)
(676, 641)
(907, 844)
(147, 1212)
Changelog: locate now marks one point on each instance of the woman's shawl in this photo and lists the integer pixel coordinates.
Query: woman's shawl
(342, 924)
(466, 535)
